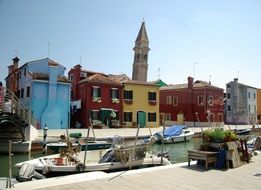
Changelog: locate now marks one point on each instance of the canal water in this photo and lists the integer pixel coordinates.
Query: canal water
(177, 152)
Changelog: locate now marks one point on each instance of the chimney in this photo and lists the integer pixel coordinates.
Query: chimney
(235, 79)
(14, 66)
(190, 82)
(78, 66)
(15, 63)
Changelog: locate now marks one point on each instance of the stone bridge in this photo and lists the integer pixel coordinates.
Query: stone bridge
(14, 118)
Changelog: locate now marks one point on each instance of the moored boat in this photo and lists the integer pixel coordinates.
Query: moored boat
(92, 145)
(174, 134)
(119, 157)
(242, 131)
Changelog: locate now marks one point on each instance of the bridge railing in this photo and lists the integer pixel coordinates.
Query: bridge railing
(9, 102)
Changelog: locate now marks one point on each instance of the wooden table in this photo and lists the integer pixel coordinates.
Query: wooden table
(208, 157)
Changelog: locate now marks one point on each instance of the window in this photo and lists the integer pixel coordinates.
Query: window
(145, 57)
(114, 93)
(228, 85)
(248, 94)
(210, 100)
(96, 91)
(200, 101)
(24, 71)
(169, 100)
(83, 75)
(228, 96)
(228, 108)
(254, 95)
(22, 93)
(211, 117)
(220, 117)
(95, 114)
(175, 101)
(18, 93)
(152, 117)
(249, 107)
(71, 77)
(127, 116)
(128, 94)
(28, 91)
(152, 96)
(168, 116)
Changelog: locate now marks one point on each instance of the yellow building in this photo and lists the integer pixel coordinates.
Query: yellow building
(141, 104)
(258, 103)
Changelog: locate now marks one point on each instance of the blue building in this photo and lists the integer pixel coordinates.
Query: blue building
(43, 88)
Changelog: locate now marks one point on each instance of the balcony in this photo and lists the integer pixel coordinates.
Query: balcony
(115, 100)
(153, 102)
(128, 101)
(96, 99)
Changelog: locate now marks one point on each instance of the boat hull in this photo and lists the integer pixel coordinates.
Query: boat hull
(242, 131)
(54, 165)
(17, 147)
(176, 139)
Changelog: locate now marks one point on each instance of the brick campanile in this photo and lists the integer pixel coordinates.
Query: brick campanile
(141, 50)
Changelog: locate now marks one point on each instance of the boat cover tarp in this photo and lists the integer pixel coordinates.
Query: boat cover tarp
(174, 130)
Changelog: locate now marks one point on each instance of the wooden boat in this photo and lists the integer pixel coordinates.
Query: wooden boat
(119, 157)
(174, 134)
(92, 145)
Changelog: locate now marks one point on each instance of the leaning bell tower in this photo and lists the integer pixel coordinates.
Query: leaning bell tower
(141, 50)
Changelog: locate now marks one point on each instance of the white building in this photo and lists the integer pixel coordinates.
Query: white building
(241, 103)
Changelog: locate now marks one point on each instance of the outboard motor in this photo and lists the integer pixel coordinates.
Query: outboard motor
(27, 173)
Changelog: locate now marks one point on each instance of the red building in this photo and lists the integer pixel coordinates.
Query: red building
(184, 102)
(13, 75)
(95, 96)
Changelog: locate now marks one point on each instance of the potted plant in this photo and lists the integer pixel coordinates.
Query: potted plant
(96, 99)
(218, 135)
(115, 100)
(230, 136)
(128, 101)
(153, 102)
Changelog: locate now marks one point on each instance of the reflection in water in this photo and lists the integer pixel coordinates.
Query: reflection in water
(16, 158)
(177, 151)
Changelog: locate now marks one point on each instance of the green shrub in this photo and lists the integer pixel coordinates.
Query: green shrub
(218, 135)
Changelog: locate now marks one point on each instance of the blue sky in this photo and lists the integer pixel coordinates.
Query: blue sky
(222, 36)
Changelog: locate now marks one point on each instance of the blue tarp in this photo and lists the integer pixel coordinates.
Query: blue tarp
(174, 130)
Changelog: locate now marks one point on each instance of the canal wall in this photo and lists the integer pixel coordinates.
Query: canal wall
(53, 135)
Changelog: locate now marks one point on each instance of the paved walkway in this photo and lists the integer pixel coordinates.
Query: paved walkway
(180, 176)
(124, 132)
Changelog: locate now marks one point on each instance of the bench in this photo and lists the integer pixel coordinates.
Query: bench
(208, 157)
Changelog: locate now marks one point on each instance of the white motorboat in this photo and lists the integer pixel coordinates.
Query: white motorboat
(174, 134)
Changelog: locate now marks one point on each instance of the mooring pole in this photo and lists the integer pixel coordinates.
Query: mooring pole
(86, 147)
(10, 164)
(162, 142)
(45, 139)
